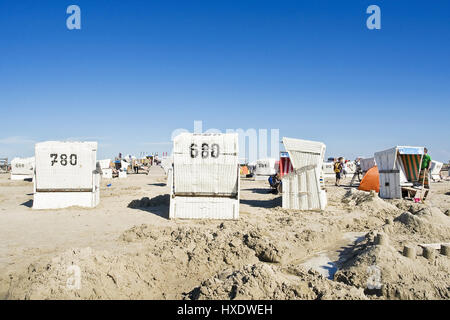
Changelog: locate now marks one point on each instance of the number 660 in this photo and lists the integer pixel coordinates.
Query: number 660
(206, 150)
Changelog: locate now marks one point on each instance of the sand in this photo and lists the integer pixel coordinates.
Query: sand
(126, 248)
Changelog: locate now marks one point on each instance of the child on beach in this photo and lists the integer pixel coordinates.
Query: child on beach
(338, 169)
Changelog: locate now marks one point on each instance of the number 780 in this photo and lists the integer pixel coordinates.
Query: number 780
(63, 159)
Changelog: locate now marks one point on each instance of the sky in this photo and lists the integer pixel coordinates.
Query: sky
(138, 70)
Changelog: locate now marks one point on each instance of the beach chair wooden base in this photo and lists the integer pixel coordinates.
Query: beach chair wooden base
(414, 193)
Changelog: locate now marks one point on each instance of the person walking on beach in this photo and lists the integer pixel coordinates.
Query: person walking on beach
(358, 171)
(424, 176)
(338, 169)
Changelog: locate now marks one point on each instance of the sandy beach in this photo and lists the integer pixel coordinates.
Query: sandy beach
(127, 248)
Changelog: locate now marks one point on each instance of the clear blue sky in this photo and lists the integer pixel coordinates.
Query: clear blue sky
(137, 70)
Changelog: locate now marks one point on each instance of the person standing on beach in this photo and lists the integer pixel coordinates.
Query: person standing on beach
(344, 169)
(424, 176)
(338, 169)
(135, 166)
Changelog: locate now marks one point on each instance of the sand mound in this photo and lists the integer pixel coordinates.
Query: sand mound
(211, 243)
(430, 227)
(157, 262)
(410, 206)
(382, 271)
(271, 243)
(142, 232)
(367, 210)
(102, 276)
(400, 277)
(421, 223)
(266, 249)
(263, 281)
(369, 202)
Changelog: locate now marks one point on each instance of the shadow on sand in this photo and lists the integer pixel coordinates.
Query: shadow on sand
(158, 205)
(157, 184)
(271, 203)
(259, 190)
(28, 204)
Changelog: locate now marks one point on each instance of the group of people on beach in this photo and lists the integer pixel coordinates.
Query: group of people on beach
(424, 175)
